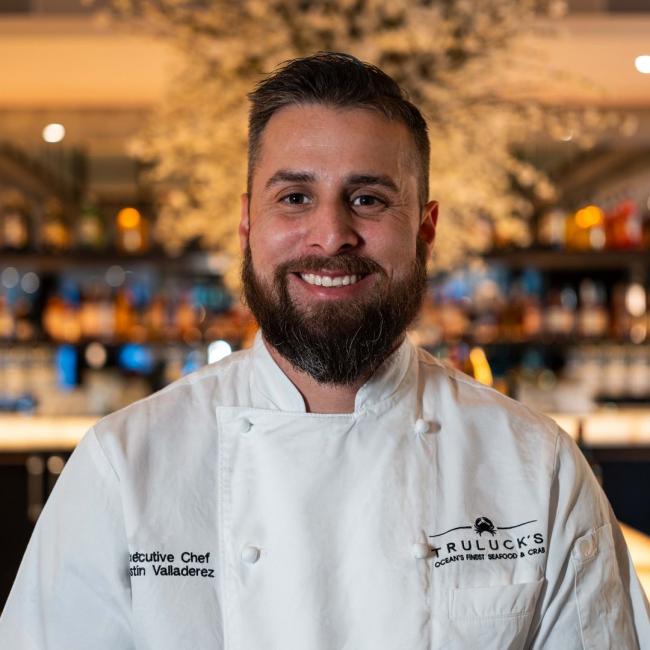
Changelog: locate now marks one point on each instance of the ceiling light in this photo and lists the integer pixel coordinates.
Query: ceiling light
(218, 350)
(54, 133)
(642, 64)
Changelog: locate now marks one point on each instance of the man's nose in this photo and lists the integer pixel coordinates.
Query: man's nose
(331, 229)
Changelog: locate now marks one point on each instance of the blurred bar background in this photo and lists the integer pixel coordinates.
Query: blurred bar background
(95, 313)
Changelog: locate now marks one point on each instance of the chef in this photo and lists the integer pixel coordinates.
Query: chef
(334, 487)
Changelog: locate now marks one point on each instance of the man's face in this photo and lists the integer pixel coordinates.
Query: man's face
(334, 243)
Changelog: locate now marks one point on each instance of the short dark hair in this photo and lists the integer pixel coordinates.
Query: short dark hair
(340, 81)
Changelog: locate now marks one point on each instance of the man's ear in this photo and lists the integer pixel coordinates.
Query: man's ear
(244, 223)
(428, 225)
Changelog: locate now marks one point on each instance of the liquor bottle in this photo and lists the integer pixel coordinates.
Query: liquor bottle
(593, 319)
(532, 305)
(90, 315)
(512, 315)
(91, 226)
(55, 232)
(624, 227)
(560, 316)
(575, 237)
(551, 229)
(621, 321)
(633, 225)
(14, 221)
(155, 317)
(635, 303)
(124, 316)
(645, 227)
(132, 235)
(7, 319)
(585, 230)
(532, 316)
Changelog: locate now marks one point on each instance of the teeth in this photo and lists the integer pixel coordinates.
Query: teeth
(326, 281)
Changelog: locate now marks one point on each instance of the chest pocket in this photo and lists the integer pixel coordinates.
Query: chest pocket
(492, 617)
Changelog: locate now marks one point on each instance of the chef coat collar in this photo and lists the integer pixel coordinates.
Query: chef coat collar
(272, 389)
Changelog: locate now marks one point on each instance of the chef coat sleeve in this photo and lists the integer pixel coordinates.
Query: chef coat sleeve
(72, 591)
(592, 598)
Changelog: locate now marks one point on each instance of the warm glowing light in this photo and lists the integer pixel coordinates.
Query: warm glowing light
(546, 379)
(589, 216)
(96, 355)
(218, 350)
(638, 333)
(193, 336)
(55, 464)
(54, 133)
(128, 218)
(481, 366)
(635, 300)
(642, 64)
(597, 238)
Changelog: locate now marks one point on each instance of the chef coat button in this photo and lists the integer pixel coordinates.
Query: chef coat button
(420, 551)
(242, 425)
(421, 426)
(586, 548)
(250, 554)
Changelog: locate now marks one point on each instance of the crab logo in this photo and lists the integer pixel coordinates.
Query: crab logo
(484, 525)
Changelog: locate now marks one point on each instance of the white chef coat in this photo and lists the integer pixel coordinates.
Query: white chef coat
(219, 514)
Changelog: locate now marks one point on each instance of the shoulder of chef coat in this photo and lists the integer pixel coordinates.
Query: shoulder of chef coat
(153, 432)
(451, 395)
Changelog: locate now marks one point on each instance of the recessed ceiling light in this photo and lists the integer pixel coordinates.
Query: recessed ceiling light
(642, 64)
(54, 133)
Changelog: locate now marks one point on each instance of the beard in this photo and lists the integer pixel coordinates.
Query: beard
(336, 342)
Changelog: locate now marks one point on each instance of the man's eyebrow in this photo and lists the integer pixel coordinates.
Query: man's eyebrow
(373, 179)
(288, 176)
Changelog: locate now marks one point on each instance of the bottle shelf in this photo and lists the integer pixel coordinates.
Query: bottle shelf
(191, 263)
(558, 343)
(546, 259)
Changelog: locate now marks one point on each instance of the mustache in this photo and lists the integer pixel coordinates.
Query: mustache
(349, 264)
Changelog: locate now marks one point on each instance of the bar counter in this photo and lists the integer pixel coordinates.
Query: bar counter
(606, 428)
(622, 432)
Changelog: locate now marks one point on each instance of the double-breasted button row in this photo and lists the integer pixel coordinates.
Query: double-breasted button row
(251, 554)
(243, 425)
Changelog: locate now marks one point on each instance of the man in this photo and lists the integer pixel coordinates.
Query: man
(333, 487)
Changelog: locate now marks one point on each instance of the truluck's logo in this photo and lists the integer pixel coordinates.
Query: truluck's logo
(484, 525)
(496, 547)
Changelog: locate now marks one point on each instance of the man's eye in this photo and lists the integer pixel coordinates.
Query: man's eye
(367, 200)
(295, 198)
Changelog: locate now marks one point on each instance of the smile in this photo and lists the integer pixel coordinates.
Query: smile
(327, 281)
